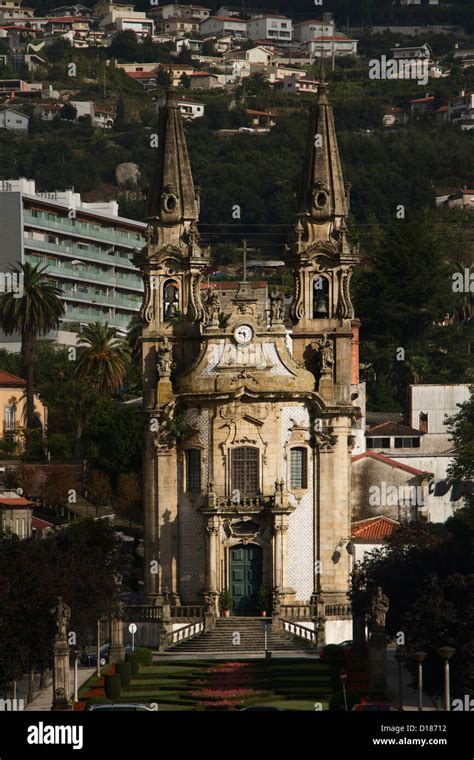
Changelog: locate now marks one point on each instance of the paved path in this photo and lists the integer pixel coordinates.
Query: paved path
(409, 695)
(43, 699)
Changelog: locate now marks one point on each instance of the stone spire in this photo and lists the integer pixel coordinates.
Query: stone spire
(172, 199)
(322, 197)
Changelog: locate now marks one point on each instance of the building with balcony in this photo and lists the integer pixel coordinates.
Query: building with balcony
(13, 407)
(87, 247)
(221, 26)
(272, 28)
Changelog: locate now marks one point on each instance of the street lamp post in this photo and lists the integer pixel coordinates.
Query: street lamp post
(446, 653)
(419, 657)
(399, 656)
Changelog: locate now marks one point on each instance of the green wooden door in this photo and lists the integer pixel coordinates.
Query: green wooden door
(245, 578)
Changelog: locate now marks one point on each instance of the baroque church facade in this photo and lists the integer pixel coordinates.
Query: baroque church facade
(247, 453)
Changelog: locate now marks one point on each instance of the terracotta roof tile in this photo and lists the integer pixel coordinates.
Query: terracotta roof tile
(374, 528)
(7, 380)
(392, 428)
(392, 462)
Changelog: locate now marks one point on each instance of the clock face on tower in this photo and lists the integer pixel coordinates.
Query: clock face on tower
(243, 334)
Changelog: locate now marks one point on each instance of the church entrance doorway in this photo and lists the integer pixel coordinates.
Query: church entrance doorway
(245, 573)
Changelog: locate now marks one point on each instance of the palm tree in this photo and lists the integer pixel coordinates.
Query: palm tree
(103, 357)
(257, 83)
(37, 311)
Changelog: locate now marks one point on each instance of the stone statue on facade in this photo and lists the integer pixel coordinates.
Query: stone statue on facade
(326, 354)
(164, 362)
(276, 306)
(379, 608)
(213, 308)
(62, 615)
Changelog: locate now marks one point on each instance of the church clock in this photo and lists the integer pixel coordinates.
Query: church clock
(243, 334)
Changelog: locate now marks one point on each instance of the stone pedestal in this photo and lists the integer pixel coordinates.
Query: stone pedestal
(117, 649)
(61, 678)
(358, 635)
(326, 385)
(378, 666)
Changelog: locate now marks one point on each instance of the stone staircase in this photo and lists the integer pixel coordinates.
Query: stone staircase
(252, 639)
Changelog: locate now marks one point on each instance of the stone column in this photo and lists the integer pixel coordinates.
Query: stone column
(378, 666)
(61, 676)
(212, 528)
(117, 649)
(277, 555)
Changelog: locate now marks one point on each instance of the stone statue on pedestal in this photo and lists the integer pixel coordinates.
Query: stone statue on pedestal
(326, 354)
(164, 362)
(379, 608)
(276, 306)
(62, 616)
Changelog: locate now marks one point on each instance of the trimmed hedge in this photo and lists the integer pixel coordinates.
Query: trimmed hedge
(113, 686)
(123, 669)
(145, 656)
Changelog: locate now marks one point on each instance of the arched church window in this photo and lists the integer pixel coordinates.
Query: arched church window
(170, 300)
(298, 467)
(193, 469)
(320, 298)
(245, 470)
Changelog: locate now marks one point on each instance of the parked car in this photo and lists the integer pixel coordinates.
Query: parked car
(89, 655)
(121, 706)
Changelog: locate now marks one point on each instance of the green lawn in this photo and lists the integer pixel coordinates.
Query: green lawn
(204, 684)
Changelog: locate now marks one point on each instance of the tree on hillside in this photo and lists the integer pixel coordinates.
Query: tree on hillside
(68, 112)
(124, 47)
(129, 496)
(100, 490)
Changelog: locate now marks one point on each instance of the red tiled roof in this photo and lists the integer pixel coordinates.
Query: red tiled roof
(374, 528)
(392, 462)
(423, 100)
(392, 428)
(202, 74)
(62, 19)
(227, 18)
(7, 380)
(19, 501)
(259, 113)
(142, 74)
(39, 524)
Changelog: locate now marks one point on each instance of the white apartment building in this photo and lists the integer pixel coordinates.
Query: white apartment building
(337, 45)
(271, 28)
(222, 26)
(87, 248)
(13, 9)
(308, 30)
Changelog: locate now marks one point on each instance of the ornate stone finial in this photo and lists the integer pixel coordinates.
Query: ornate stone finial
(164, 362)
(299, 229)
